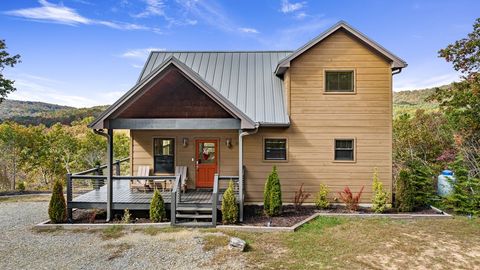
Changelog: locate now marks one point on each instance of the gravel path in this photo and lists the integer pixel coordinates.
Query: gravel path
(23, 248)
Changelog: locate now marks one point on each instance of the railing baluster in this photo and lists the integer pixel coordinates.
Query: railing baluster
(69, 197)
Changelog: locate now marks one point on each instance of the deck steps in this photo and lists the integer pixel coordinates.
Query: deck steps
(195, 224)
(194, 215)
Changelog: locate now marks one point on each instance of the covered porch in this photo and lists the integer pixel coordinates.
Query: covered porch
(175, 119)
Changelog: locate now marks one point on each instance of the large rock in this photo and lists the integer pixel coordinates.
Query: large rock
(237, 244)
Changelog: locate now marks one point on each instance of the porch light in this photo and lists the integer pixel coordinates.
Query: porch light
(228, 142)
(185, 142)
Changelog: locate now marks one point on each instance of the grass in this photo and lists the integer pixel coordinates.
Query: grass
(155, 230)
(212, 242)
(329, 242)
(112, 232)
(25, 198)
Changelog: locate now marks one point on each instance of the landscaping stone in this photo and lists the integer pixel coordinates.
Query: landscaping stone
(237, 244)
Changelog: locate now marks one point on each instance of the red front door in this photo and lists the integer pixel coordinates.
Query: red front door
(207, 162)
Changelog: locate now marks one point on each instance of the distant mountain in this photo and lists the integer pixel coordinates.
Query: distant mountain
(410, 100)
(34, 113)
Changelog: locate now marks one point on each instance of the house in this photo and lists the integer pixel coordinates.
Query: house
(321, 114)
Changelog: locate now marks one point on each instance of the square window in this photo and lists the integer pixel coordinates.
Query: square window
(344, 149)
(163, 155)
(339, 81)
(275, 149)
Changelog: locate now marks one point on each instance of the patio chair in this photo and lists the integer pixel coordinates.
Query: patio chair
(140, 184)
(182, 171)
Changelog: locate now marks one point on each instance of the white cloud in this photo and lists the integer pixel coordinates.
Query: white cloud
(140, 54)
(288, 7)
(61, 14)
(248, 30)
(153, 8)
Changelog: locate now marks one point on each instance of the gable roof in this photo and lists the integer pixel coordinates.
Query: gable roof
(246, 122)
(245, 78)
(397, 62)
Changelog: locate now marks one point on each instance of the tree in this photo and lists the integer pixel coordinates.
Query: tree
(6, 85)
(272, 195)
(157, 207)
(380, 196)
(461, 102)
(12, 143)
(57, 208)
(229, 206)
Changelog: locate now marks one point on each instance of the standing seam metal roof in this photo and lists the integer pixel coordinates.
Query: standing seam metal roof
(246, 79)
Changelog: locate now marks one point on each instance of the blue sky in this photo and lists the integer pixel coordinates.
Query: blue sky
(87, 52)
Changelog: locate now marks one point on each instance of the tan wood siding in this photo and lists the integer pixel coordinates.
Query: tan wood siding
(318, 118)
(142, 149)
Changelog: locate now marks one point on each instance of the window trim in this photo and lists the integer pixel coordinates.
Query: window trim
(325, 70)
(274, 160)
(174, 154)
(354, 160)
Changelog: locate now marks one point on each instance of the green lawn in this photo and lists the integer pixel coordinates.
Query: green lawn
(342, 243)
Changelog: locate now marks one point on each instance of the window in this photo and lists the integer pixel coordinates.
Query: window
(163, 155)
(339, 81)
(275, 149)
(344, 149)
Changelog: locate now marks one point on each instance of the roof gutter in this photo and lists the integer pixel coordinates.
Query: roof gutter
(396, 71)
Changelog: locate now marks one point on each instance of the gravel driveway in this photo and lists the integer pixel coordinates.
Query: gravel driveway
(23, 248)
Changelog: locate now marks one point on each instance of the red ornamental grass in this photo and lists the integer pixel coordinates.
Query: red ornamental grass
(351, 201)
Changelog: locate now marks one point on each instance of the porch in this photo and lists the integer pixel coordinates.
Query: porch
(90, 190)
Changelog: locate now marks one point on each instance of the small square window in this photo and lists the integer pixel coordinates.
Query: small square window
(275, 149)
(344, 149)
(339, 81)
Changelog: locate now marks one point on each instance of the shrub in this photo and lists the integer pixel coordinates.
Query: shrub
(415, 187)
(300, 197)
(157, 207)
(127, 217)
(465, 198)
(351, 201)
(57, 208)
(404, 198)
(272, 195)
(229, 206)
(321, 200)
(21, 186)
(380, 197)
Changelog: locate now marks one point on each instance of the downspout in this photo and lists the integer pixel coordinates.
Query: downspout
(241, 134)
(109, 137)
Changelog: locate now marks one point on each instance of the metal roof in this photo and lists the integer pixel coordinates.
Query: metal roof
(246, 79)
(397, 62)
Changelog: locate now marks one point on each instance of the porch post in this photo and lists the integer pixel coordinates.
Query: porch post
(109, 174)
(240, 174)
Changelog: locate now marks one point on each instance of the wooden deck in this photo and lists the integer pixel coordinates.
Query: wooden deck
(125, 197)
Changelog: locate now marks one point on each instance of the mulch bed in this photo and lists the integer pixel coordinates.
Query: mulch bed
(253, 216)
(85, 216)
(365, 210)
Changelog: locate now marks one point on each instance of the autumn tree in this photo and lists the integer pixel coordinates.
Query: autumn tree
(6, 60)
(461, 102)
